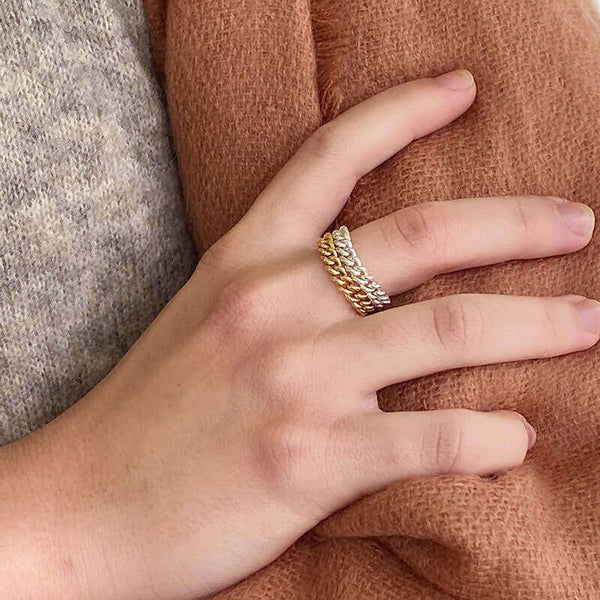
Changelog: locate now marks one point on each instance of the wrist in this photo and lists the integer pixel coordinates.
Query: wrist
(46, 550)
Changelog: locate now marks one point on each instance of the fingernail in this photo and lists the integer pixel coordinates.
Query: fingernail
(578, 218)
(575, 298)
(531, 434)
(589, 315)
(456, 80)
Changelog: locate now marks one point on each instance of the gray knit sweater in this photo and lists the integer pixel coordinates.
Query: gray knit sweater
(93, 238)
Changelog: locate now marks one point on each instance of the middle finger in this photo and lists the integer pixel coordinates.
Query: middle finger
(412, 245)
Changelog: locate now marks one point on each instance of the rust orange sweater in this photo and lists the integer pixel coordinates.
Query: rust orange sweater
(247, 81)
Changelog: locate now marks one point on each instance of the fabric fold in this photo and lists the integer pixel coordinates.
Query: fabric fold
(247, 82)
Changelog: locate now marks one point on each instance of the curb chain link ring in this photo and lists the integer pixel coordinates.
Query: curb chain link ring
(348, 273)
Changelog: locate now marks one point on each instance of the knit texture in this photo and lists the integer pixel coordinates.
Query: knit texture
(93, 236)
(247, 81)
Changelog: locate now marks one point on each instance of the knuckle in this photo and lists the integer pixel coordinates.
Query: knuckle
(457, 324)
(325, 144)
(443, 444)
(422, 228)
(223, 256)
(217, 256)
(551, 315)
(524, 216)
(241, 308)
(282, 452)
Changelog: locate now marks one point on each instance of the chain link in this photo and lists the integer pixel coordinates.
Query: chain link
(348, 273)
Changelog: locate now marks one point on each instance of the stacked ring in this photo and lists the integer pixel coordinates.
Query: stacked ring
(348, 273)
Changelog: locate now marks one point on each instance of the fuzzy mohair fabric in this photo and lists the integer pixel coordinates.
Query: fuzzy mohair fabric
(247, 81)
(93, 234)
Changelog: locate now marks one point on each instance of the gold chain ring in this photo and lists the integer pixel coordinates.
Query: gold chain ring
(343, 280)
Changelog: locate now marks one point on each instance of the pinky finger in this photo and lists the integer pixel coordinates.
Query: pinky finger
(387, 447)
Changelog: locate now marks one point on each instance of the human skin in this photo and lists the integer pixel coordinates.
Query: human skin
(247, 412)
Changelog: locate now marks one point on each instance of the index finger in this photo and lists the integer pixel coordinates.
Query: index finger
(307, 194)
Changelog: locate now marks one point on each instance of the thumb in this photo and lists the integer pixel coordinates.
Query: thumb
(391, 446)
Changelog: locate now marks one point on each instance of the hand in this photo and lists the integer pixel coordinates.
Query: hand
(247, 412)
